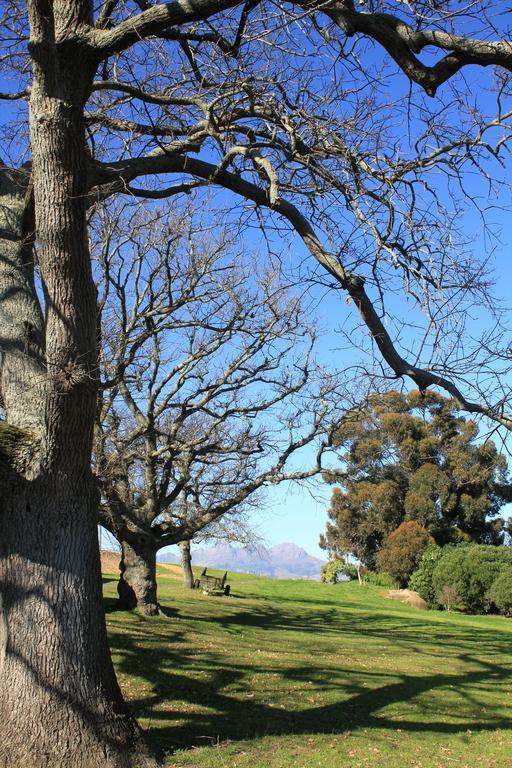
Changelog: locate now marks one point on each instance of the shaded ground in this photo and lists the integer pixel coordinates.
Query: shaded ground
(301, 674)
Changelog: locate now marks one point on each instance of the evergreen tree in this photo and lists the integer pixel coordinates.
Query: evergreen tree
(412, 457)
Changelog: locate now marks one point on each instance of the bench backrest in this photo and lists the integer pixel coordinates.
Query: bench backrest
(212, 581)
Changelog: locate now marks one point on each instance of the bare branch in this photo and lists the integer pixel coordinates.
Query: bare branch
(156, 19)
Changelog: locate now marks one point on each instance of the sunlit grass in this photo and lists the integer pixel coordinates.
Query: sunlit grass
(291, 673)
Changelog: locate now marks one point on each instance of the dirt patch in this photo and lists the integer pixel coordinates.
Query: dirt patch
(109, 561)
(174, 571)
(407, 596)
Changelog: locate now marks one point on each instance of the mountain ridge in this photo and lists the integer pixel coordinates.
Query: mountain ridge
(281, 561)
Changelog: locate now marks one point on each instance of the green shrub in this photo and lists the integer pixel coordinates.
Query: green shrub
(471, 569)
(335, 569)
(500, 593)
(421, 579)
(379, 580)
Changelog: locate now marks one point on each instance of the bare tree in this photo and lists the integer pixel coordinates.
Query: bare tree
(210, 387)
(83, 70)
(378, 213)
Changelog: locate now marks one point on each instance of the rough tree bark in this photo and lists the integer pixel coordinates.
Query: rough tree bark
(22, 372)
(186, 564)
(60, 704)
(137, 586)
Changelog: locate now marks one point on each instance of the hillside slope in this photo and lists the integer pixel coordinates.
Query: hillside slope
(294, 674)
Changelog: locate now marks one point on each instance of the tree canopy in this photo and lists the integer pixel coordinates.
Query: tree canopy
(210, 387)
(412, 457)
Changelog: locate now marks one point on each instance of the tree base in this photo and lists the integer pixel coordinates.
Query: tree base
(145, 609)
(88, 753)
(60, 704)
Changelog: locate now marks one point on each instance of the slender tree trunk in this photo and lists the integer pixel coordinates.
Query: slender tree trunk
(137, 585)
(186, 564)
(60, 705)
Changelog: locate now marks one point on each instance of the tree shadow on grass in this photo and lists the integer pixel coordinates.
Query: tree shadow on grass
(110, 604)
(414, 629)
(200, 693)
(170, 613)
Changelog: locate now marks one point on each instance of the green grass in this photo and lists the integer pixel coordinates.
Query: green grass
(297, 674)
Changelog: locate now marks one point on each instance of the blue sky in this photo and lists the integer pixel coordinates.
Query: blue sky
(291, 513)
(294, 513)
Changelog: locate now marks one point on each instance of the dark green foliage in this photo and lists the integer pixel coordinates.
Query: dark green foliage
(421, 579)
(412, 457)
(480, 578)
(500, 593)
(402, 551)
(471, 569)
(428, 492)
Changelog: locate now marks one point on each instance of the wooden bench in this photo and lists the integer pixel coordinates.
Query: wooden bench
(212, 584)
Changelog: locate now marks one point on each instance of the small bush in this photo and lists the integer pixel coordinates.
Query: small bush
(402, 551)
(471, 569)
(421, 579)
(379, 580)
(335, 570)
(500, 593)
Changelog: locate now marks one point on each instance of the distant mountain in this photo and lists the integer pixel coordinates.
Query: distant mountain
(283, 561)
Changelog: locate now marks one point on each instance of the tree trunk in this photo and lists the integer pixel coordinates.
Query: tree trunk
(60, 704)
(186, 564)
(137, 585)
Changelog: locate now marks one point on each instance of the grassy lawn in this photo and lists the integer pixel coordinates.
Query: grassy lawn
(291, 673)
